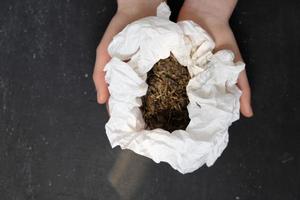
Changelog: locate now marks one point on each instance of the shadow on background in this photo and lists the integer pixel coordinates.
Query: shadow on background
(128, 173)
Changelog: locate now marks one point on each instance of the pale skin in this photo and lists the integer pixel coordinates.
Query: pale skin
(212, 15)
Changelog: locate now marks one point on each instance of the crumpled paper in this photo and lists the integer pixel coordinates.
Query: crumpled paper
(212, 91)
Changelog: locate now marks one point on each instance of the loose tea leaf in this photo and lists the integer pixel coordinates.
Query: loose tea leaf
(165, 103)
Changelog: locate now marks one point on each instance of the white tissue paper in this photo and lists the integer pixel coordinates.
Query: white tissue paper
(212, 91)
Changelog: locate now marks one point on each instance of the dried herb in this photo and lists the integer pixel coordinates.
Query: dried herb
(165, 103)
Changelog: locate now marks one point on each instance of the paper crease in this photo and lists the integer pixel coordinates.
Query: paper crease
(212, 91)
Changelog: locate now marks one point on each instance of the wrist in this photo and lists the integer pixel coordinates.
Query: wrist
(137, 8)
(208, 11)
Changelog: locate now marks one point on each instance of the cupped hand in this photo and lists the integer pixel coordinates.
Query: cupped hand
(127, 12)
(213, 16)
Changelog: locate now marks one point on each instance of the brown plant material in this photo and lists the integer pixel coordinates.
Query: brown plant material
(165, 103)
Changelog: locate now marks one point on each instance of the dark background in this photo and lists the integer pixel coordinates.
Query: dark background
(52, 139)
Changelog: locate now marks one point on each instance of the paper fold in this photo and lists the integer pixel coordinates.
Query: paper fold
(212, 91)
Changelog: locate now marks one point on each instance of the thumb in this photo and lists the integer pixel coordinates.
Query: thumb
(99, 77)
(245, 100)
(101, 86)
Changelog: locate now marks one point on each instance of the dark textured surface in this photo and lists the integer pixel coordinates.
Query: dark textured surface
(52, 139)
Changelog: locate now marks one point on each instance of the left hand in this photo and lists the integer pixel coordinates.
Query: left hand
(213, 16)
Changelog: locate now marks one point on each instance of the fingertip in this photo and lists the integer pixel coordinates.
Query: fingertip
(248, 114)
(246, 110)
(101, 99)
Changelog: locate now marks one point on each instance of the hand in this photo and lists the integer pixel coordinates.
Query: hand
(127, 12)
(213, 16)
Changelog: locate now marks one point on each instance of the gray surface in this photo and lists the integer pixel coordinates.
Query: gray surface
(52, 139)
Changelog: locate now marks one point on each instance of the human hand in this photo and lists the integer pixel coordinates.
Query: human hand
(213, 16)
(127, 12)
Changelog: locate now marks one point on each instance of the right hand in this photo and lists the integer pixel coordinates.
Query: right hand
(128, 11)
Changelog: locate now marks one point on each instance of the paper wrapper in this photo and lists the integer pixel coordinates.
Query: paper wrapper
(212, 91)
